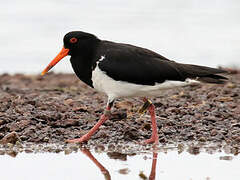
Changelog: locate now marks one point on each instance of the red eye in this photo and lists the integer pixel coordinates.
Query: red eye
(73, 40)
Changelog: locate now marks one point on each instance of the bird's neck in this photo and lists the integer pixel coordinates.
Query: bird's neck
(82, 61)
(82, 68)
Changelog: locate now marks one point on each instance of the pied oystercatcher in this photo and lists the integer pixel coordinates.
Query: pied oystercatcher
(123, 70)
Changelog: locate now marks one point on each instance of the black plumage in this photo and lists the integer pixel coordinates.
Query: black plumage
(137, 65)
(124, 62)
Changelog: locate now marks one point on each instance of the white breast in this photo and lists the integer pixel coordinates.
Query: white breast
(116, 89)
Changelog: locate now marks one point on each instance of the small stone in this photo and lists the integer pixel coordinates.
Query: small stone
(10, 138)
(142, 175)
(71, 122)
(202, 139)
(19, 144)
(111, 147)
(225, 99)
(68, 101)
(67, 151)
(231, 85)
(28, 151)
(226, 158)
(74, 148)
(99, 148)
(124, 171)
(12, 153)
(117, 155)
(10, 145)
(194, 150)
(213, 132)
(46, 139)
(180, 148)
(58, 150)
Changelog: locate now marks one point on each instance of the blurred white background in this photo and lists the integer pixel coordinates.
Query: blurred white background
(189, 31)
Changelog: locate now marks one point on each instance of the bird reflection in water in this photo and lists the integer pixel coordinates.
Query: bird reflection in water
(106, 173)
(154, 164)
(98, 164)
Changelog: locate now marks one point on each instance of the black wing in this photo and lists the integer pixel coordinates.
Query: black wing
(137, 65)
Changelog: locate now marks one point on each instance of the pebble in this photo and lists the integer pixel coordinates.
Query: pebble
(213, 132)
(11, 138)
(124, 171)
(227, 158)
(67, 151)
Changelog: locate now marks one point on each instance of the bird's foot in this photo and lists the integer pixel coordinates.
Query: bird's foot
(82, 139)
(145, 107)
(152, 140)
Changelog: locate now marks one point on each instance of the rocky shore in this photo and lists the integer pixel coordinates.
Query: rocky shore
(57, 107)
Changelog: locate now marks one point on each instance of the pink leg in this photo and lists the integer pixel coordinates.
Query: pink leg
(154, 137)
(87, 136)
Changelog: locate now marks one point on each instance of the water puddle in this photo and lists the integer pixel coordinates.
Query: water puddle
(81, 163)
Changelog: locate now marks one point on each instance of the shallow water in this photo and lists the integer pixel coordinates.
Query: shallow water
(199, 32)
(163, 164)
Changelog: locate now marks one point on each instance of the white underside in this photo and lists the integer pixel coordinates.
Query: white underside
(116, 89)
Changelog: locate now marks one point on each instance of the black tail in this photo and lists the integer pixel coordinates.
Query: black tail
(213, 78)
(202, 73)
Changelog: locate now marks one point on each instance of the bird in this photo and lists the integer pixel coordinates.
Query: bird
(123, 70)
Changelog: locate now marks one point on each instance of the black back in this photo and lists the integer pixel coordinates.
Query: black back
(137, 65)
(124, 62)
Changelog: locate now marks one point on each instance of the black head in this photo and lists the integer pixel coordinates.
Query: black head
(79, 42)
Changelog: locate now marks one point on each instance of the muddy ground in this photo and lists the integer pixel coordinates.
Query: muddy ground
(57, 107)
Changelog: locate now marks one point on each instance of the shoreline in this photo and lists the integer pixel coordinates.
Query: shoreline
(57, 107)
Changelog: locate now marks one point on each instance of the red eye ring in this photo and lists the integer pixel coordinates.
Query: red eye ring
(73, 40)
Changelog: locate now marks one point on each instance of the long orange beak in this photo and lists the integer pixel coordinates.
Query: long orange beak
(62, 54)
